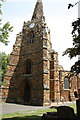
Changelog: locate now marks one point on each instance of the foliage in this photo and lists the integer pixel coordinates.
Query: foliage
(4, 60)
(4, 31)
(76, 67)
(75, 50)
(70, 5)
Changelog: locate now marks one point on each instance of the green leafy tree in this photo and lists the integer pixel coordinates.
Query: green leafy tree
(4, 31)
(75, 50)
(4, 60)
(4, 34)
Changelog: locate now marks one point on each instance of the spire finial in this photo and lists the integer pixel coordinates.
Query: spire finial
(38, 11)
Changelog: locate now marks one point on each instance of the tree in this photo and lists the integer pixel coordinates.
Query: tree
(75, 50)
(4, 34)
(4, 31)
(4, 60)
(71, 5)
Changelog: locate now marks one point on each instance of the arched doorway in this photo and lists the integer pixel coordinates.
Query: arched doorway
(27, 94)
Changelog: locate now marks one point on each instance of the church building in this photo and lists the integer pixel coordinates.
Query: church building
(34, 76)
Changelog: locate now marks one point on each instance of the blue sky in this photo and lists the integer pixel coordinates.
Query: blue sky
(58, 19)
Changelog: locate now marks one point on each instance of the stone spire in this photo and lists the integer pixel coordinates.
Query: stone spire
(38, 11)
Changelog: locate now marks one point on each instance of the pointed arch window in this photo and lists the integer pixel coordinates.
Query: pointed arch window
(37, 28)
(66, 83)
(32, 38)
(28, 68)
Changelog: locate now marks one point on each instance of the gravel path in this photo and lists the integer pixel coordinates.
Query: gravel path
(10, 108)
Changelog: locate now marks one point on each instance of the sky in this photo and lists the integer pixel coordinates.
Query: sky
(58, 19)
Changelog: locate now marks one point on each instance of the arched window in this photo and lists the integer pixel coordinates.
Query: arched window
(28, 69)
(66, 83)
(37, 28)
(32, 38)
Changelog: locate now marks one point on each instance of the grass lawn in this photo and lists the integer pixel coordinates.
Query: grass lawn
(26, 115)
(29, 115)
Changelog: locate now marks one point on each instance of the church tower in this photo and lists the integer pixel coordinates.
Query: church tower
(34, 76)
(28, 72)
